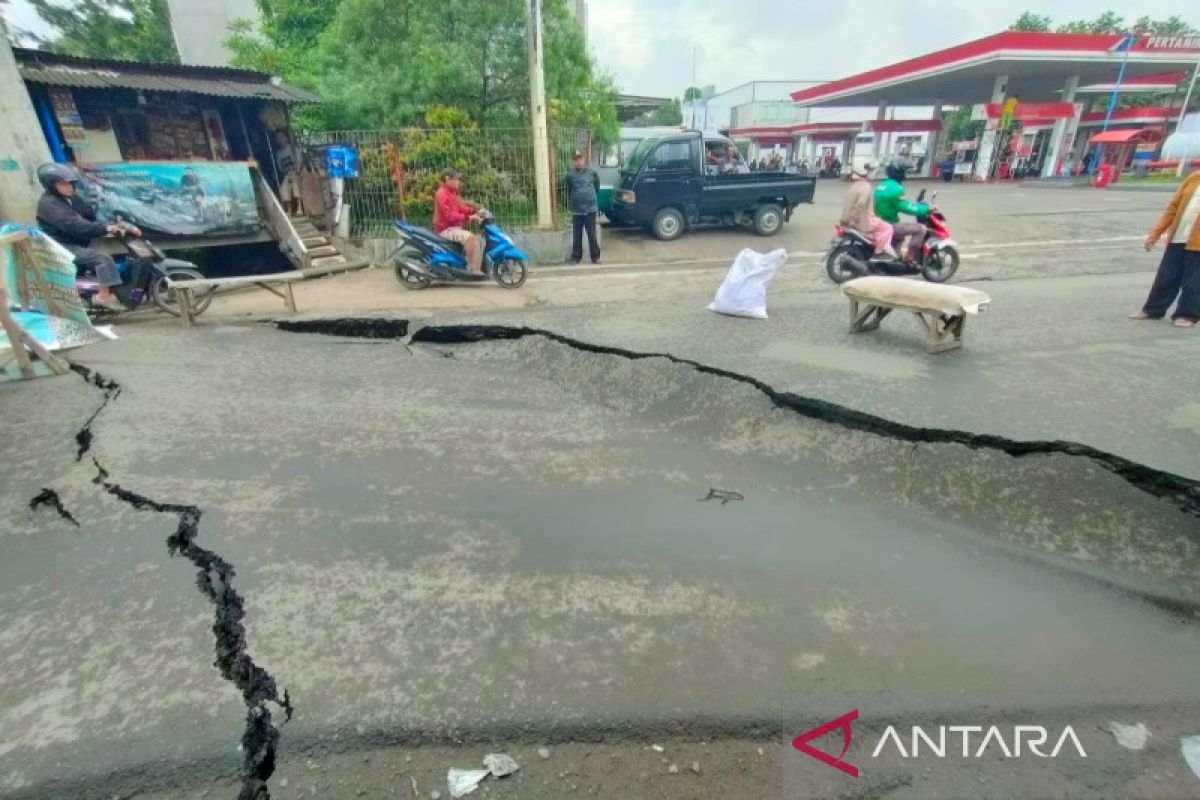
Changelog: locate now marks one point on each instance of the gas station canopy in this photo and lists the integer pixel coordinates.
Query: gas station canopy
(1037, 65)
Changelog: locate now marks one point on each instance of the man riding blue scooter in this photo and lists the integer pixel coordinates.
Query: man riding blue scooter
(890, 203)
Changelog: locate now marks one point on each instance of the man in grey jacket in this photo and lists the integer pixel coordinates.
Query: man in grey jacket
(583, 184)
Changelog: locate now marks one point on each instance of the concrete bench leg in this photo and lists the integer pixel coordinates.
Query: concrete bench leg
(289, 299)
(868, 319)
(185, 306)
(942, 333)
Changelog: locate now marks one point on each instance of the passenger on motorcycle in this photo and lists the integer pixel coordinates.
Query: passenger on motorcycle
(890, 203)
(68, 219)
(858, 212)
(451, 215)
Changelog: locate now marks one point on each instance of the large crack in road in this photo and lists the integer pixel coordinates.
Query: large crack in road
(1181, 491)
(215, 580)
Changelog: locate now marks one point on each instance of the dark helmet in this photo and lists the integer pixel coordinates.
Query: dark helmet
(897, 169)
(50, 174)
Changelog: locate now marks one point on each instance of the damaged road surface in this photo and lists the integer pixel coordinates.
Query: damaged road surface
(535, 539)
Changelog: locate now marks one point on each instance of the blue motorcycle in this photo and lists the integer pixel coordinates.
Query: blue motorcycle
(424, 258)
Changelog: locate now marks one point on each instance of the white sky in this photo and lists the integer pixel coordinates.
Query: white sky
(648, 44)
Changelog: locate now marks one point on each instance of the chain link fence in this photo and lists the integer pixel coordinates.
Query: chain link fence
(399, 171)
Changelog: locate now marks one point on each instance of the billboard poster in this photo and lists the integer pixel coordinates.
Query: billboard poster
(175, 198)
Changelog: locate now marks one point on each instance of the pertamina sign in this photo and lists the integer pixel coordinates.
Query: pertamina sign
(1173, 43)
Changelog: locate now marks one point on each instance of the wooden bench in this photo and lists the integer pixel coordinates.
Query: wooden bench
(941, 310)
(284, 279)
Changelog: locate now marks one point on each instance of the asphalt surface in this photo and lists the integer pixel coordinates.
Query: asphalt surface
(504, 542)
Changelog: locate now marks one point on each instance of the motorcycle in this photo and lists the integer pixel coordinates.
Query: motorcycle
(424, 258)
(145, 271)
(851, 253)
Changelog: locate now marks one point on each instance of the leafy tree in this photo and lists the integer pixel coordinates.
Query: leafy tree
(1108, 22)
(1032, 22)
(693, 93)
(667, 115)
(959, 127)
(134, 30)
(382, 63)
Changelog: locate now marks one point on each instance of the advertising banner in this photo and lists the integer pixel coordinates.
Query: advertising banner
(174, 198)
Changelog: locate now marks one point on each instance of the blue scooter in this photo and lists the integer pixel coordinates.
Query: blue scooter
(424, 258)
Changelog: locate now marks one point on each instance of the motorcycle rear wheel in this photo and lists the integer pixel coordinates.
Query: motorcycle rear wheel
(841, 264)
(410, 278)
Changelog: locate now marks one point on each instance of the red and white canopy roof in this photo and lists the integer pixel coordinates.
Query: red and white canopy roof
(1037, 65)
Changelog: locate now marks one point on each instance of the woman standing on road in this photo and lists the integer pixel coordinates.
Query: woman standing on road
(1179, 273)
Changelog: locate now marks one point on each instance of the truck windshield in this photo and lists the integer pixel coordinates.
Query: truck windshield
(635, 161)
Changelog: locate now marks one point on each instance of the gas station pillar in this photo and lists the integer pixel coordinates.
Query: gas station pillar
(991, 134)
(877, 139)
(935, 142)
(1063, 134)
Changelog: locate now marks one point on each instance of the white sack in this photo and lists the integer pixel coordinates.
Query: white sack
(744, 290)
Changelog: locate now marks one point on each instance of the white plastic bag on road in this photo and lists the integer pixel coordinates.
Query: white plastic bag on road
(744, 290)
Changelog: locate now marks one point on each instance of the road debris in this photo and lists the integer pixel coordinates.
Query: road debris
(1190, 746)
(413, 780)
(674, 770)
(543, 753)
(726, 497)
(1131, 737)
(461, 782)
(696, 767)
(500, 765)
(658, 748)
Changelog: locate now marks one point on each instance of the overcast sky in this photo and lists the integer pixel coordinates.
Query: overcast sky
(648, 44)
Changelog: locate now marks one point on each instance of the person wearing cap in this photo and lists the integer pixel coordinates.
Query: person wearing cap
(583, 185)
(450, 217)
(858, 211)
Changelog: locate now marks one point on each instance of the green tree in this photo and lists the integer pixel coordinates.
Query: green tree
(1108, 22)
(134, 30)
(668, 115)
(382, 63)
(959, 127)
(693, 93)
(1032, 22)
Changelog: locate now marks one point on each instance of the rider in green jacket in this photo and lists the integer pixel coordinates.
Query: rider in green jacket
(890, 204)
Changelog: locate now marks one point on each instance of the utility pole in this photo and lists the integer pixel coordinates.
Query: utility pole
(694, 97)
(537, 109)
(22, 144)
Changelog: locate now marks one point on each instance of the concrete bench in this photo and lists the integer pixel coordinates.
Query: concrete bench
(267, 282)
(941, 310)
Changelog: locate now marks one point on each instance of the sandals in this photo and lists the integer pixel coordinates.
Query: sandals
(1141, 315)
(1184, 323)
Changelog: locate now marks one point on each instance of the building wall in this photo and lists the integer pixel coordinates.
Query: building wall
(201, 28)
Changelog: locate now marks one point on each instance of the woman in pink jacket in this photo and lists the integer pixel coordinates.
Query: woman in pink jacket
(858, 212)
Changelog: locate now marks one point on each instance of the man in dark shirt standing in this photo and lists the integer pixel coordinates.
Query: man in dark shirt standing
(59, 215)
(583, 185)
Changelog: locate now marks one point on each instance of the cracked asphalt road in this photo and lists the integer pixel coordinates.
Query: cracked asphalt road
(503, 542)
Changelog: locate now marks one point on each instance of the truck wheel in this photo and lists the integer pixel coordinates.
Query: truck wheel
(668, 224)
(768, 220)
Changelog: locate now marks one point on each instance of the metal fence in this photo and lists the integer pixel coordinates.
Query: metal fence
(399, 171)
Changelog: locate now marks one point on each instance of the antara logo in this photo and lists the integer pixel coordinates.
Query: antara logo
(1025, 739)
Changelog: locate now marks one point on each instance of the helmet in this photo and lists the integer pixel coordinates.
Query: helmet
(50, 174)
(897, 169)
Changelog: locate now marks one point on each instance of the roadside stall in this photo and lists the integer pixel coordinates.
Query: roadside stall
(189, 154)
(1118, 148)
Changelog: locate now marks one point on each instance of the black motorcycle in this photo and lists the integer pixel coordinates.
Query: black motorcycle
(851, 253)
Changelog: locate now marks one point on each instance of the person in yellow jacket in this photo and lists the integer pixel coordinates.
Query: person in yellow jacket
(1179, 273)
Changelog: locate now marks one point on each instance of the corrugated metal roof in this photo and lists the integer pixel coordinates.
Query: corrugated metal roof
(56, 70)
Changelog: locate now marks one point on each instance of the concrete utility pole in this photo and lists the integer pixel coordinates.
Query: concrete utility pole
(22, 145)
(1183, 160)
(537, 108)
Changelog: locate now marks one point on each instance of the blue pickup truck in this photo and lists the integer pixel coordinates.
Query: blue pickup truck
(668, 185)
